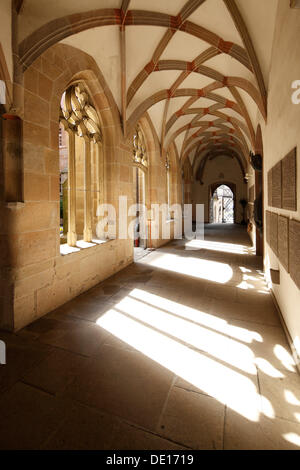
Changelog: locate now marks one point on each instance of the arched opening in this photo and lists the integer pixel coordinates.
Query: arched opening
(139, 200)
(168, 185)
(140, 161)
(63, 181)
(80, 158)
(222, 205)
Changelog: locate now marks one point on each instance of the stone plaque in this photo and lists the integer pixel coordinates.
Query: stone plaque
(277, 185)
(270, 188)
(283, 241)
(289, 181)
(268, 227)
(274, 233)
(294, 250)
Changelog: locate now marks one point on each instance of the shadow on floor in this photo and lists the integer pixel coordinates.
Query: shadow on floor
(181, 350)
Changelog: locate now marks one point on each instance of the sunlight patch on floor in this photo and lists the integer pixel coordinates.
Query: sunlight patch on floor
(267, 408)
(195, 267)
(291, 398)
(284, 357)
(267, 368)
(297, 416)
(292, 438)
(217, 246)
(244, 285)
(202, 349)
(221, 382)
(245, 270)
(253, 282)
(197, 316)
(215, 344)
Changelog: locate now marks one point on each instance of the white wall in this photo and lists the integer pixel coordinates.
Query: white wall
(280, 136)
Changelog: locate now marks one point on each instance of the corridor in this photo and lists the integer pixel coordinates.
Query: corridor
(181, 350)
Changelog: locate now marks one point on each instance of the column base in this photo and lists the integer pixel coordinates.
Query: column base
(87, 235)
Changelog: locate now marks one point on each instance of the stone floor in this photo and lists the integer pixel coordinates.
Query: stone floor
(182, 350)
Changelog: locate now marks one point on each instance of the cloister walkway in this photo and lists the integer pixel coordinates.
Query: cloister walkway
(181, 350)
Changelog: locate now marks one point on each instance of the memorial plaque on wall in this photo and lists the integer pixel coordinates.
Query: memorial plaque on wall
(294, 250)
(274, 233)
(270, 188)
(289, 181)
(268, 227)
(283, 241)
(277, 185)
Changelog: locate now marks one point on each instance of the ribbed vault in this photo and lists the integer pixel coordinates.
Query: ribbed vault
(199, 68)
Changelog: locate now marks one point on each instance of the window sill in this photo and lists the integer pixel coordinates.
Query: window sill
(65, 249)
(15, 205)
(170, 221)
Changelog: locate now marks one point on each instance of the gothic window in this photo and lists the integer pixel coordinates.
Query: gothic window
(81, 166)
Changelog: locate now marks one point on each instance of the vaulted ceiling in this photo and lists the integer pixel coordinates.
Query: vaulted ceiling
(198, 67)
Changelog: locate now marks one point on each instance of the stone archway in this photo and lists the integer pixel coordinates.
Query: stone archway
(65, 65)
(213, 188)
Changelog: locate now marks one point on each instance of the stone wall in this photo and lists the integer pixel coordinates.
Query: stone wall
(280, 136)
(35, 278)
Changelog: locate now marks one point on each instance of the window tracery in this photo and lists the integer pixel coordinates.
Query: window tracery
(84, 179)
(139, 148)
(78, 114)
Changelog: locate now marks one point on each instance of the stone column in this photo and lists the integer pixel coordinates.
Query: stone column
(87, 232)
(13, 158)
(99, 173)
(72, 236)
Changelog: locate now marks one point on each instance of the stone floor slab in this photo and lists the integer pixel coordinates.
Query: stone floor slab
(194, 420)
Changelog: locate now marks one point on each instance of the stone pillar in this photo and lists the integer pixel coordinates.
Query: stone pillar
(87, 232)
(72, 236)
(99, 172)
(65, 199)
(13, 158)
